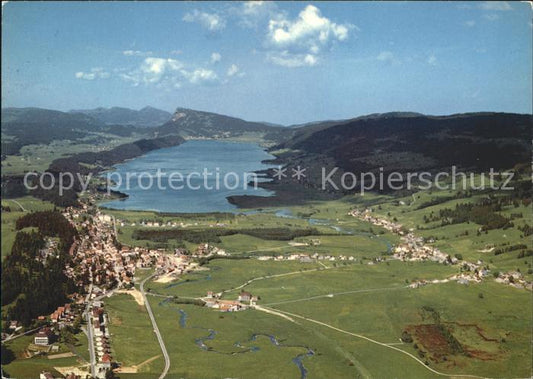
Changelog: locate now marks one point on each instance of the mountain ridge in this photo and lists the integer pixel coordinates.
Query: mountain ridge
(147, 116)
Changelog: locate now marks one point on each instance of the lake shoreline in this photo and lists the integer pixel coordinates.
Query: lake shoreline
(206, 183)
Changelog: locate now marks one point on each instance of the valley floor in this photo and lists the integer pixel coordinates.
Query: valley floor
(337, 304)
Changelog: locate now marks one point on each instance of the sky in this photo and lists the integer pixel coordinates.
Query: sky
(286, 63)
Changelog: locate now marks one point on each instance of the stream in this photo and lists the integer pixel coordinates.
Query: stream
(211, 334)
(298, 360)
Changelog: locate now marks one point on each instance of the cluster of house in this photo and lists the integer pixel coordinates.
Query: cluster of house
(412, 247)
(465, 277)
(99, 321)
(207, 250)
(98, 256)
(156, 224)
(514, 279)
(367, 215)
(306, 258)
(244, 300)
(63, 315)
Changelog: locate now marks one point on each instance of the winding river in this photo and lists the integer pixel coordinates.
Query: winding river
(211, 335)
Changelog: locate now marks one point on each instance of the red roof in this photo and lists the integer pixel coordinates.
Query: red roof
(106, 358)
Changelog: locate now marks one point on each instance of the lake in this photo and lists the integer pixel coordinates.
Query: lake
(194, 177)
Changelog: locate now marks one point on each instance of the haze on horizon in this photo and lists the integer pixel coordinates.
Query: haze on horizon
(278, 62)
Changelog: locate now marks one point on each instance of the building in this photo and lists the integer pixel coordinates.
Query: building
(45, 375)
(230, 306)
(106, 361)
(244, 296)
(253, 300)
(43, 337)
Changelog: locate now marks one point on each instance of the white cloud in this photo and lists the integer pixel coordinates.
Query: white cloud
(84, 75)
(164, 72)
(495, 6)
(210, 21)
(254, 7)
(154, 69)
(200, 75)
(94, 73)
(299, 42)
(253, 13)
(470, 23)
(309, 30)
(432, 60)
(167, 73)
(287, 59)
(137, 53)
(215, 57)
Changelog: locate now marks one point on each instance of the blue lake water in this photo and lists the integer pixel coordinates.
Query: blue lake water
(202, 173)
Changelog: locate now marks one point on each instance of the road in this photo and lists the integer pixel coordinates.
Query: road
(90, 337)
(15, 336)
(20, 205)
(156, 329)
(389, 346)
(336, 294)
(274, 276)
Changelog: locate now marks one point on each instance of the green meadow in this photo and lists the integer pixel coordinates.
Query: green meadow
(26, 368)
(130, 324)
(9, 219)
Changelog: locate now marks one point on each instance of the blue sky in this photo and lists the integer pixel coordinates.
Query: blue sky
(278, 62)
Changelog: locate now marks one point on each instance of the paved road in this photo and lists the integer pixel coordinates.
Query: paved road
(15, 336)
(90, 336)
(156, 329)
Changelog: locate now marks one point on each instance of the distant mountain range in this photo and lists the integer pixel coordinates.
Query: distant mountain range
(412, 142)
(394, 141)
(198, 124)
(145, 117)
(40, 115)
(29, 126)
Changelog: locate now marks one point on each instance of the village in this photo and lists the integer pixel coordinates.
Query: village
(415, 248)
(101, 265)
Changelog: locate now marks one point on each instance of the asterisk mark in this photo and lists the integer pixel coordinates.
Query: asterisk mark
(280, 173)
(298, 173)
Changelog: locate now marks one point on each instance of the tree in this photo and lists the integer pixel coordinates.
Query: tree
(77, 323)
(66, 336)
(7, 355)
